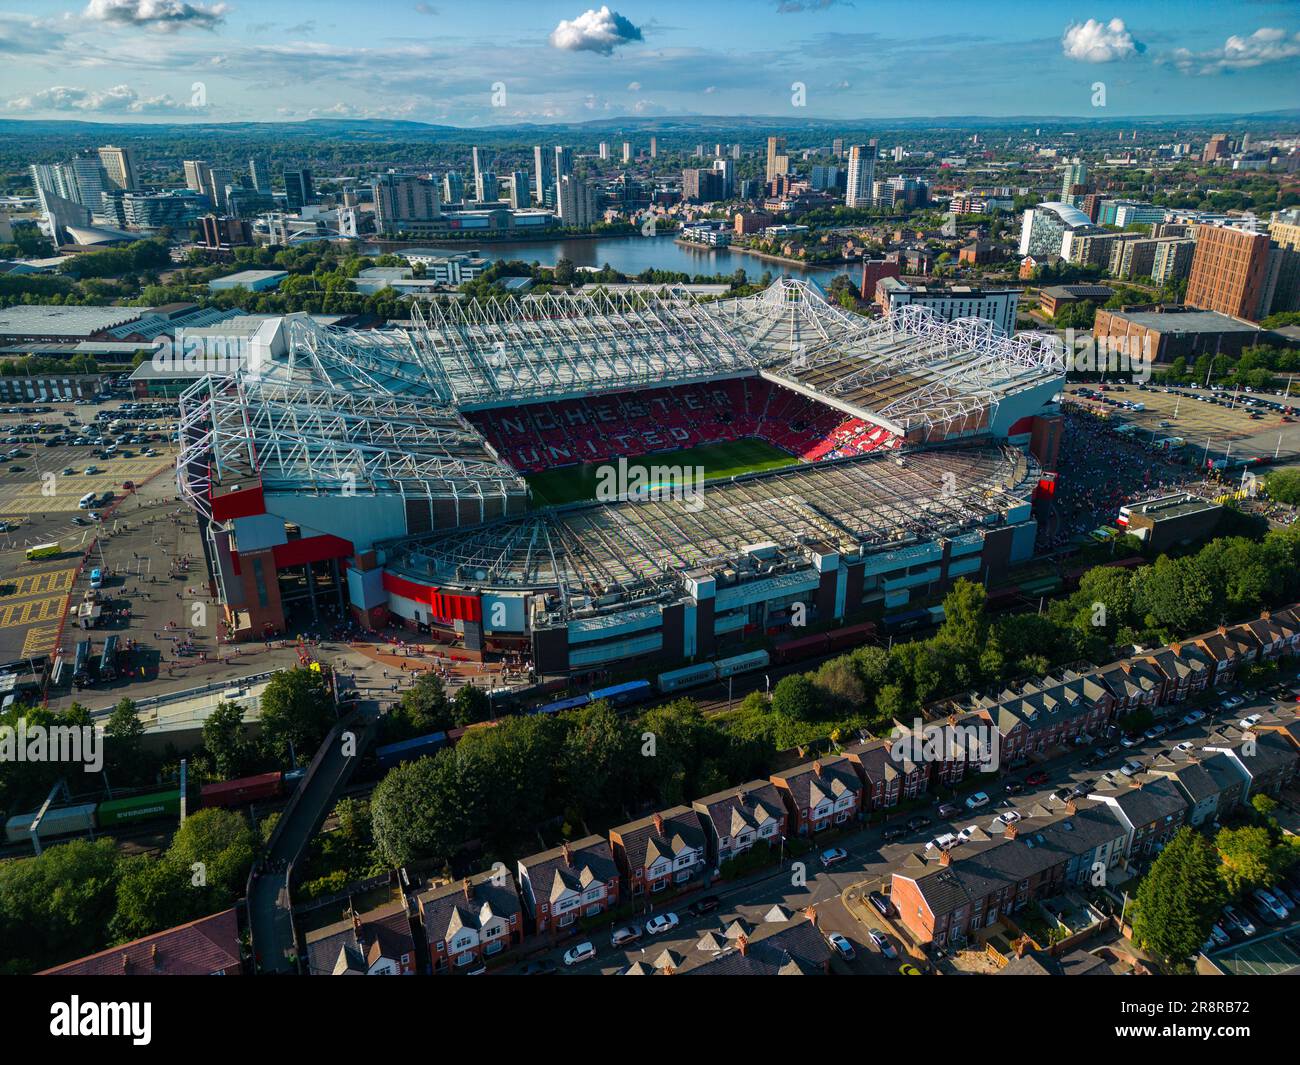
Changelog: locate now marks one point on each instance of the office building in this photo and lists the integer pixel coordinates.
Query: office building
(563, 162)
(862, 174)
(403, 201)
(627, 152)
(196, 175)
(543, 179)
(837, 147)
(453, 187)
(177, 209)
(118, 167)
(1218, 147)
(1044, 229)
(219, 179)
(727, 169)
(1076, 173)
(778, 162)
(479, 159)
(577, 202)
(248, 203)
(520, 192)
(1230, 268)
(701, 186)
(259, 172)
(1284, 254)
(825, 178)
(486, 187)
(221, 234)
(949, 303)
(91, 180)
(298, 189)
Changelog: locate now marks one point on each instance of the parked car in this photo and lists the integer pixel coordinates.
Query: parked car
(1232, 702)
(704, 905)
(908, 969)
(540, 967)
(833, 856)
(841, 946)
(1131, 768)
(1238, 920)
(662, 922)
(880, 902)
(1193, 716)
(1130, 741)
(1218, 937)
(889, 835)
(882, 944)
(577, 955)
(625, 936)
(918, 822)
(1080, 789)
(977, 801)
(1250, 721)
(1186, 745)
(949, 809)
(1264, 899)
(1007, 817)
(1013, 787)
(1037, 778)
(944, 842)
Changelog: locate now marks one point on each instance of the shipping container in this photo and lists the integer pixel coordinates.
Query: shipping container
(418, 747)
(800, 647)
(851, 636)
(563, 704)
(58, 821)
(903, 622)
(241, 790)
(686, 677)
(729, 667)
(624, 694)
(158, 805)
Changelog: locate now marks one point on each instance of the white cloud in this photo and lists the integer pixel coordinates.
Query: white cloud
(1098, 42)
(1265, 45)
(156, 14)
(633, 86)
(120, 99)
(594, 31)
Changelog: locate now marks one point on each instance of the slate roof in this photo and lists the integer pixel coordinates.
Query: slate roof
(446, 910)
(591, 860)
(200, 948)
(342, 948)
(788, 949)
(644, 843)
(815, 782)
(744, 807)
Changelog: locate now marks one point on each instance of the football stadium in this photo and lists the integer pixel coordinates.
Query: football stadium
(587, 480)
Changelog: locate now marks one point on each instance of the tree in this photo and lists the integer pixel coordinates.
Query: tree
(124, 733)
(598, 763)
(424, 708)
(1179, 899)
(796, 697)
(296, 713)
(418, 811)
(1248, 858)
(965, 625)
(55, 907)
(471, 705)
(839, 685)
(223, 737)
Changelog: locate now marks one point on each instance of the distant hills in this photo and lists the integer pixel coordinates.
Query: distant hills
(346, 129)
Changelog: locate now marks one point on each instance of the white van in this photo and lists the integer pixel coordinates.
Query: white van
(87, 501)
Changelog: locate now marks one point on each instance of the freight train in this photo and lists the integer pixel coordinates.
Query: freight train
(153, 806)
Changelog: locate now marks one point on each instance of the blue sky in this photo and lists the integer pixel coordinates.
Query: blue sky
(494, 62)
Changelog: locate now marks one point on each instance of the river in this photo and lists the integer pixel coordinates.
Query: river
(630, 255)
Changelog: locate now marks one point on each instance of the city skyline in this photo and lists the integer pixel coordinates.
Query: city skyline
(508, 63)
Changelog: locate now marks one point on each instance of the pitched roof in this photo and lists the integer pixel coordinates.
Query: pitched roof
(644, 843)
(200, 948)
(589, 861)
(747, 806)
(815, 782)
(446, 910)
(792, 948)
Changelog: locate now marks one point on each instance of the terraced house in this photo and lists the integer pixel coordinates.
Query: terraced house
(820, 794)
(659, 851)
(739, 818)
(946, 899)
(1150, 809)
(377, 943)
(1277, 632)
(1231, 648)
(470, 922)
(1187, 670)
(573, 880)
(887, 775)
(1036, 716)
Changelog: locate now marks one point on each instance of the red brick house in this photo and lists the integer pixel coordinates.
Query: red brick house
(578, 879)
(377, 943)
(468, 922)
(821, 794)
(660, 850)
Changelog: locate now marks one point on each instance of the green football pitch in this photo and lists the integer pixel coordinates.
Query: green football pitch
(568, 485)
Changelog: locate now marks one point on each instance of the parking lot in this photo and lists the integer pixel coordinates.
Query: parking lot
(1201, 415)
(54, 456)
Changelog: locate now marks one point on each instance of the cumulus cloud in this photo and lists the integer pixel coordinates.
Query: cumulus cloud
(594, 31)
(120, 99)
(1099, 42)
(1265, 45)
(156, 14)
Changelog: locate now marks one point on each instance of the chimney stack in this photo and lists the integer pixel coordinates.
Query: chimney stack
(817, 768)
(811, 913)
(945, 857)
(1071, 807)
(153, 955)
(469, 895)
(126, 963)
(568, 854)
(1012, 832)
(659, 824)
(742, 944)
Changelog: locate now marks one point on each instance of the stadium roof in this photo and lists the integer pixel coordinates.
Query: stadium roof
(1071, 216)
(630, 550)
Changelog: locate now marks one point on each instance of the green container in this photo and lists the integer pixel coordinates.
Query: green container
(152, 807)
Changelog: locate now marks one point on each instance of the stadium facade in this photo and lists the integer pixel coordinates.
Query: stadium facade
(382, 473)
